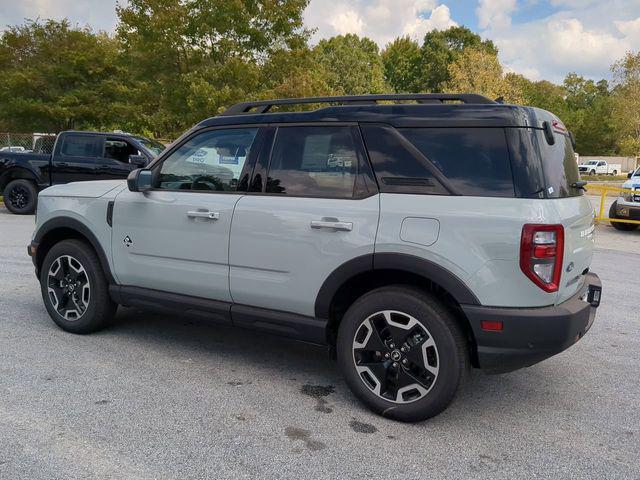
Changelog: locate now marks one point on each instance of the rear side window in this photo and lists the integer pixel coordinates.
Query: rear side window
(559, 166)
(474, 160)
(398, 166)
(79, 146)
(318, 161)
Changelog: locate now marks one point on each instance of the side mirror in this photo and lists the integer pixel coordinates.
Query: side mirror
(630, 174)
(139, 180)
(138, 160)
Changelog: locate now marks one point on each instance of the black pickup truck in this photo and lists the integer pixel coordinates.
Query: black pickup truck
(76, 156)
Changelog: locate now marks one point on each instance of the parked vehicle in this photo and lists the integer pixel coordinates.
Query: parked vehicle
(600, 167)
(14, 149)
(76, 156)
(413, 240)
(627, 205)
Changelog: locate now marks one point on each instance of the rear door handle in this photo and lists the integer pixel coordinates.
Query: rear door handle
(61, 164)
(332, 224)
(203, 214)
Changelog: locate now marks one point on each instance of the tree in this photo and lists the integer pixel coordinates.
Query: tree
(587, 113)
(353, 65)
(402, 65)
(626, 103)
(56, 77)
(191, 59)
(441, 48)
(479, 71)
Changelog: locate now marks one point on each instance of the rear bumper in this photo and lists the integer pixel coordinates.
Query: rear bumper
(628, 210)
(530, 335)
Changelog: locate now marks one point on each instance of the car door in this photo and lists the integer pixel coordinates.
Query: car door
(75, 157)
(175, 237)
(317, 208)
(113, 162)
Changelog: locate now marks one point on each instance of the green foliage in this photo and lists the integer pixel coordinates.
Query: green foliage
(352, 64)
(191, 59)
(441, 48)
(56, 77)
(172, 64)
(402, 65)
(626, 103)
(477, 70)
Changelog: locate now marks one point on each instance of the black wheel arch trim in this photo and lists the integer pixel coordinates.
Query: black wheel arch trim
(391, 261)
(71, 224)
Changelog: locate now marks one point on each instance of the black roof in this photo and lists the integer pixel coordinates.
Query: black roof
(431, 110)
(111, 134)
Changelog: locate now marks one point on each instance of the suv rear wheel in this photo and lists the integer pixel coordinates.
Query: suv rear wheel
(74, 288)
(20, 197)
(402, 353)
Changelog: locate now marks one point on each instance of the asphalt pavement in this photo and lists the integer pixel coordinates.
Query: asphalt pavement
(160, 397)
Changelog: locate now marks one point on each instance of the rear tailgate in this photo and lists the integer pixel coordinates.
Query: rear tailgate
(576, 214)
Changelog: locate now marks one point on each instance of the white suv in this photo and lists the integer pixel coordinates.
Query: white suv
(413, 239)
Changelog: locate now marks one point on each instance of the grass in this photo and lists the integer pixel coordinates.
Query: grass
(603, 178)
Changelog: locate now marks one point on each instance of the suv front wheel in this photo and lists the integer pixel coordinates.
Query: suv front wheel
(402, 353)
(74, 288)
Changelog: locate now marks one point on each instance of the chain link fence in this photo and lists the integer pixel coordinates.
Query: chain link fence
(27, 142)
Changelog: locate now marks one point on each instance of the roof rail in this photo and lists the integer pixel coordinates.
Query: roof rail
(263, 106)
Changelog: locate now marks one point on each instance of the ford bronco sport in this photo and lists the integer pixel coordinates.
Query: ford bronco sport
(414, 235)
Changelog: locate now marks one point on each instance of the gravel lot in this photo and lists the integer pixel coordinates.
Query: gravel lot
(160, 397)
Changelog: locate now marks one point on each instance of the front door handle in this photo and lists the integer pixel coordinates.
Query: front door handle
(203, 214)
(332, 224)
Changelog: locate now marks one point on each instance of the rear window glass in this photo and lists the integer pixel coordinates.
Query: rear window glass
(474, 160)
(559, 165)
(318, 161)
(79, 146)
(398, 168)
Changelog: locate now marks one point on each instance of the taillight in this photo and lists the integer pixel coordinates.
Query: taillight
(541, 250)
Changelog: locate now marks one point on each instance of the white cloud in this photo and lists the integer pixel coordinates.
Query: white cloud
(439, 19)
(631, 30)
(380, 20)
(495, 13)
(347, 22)
(584, 36)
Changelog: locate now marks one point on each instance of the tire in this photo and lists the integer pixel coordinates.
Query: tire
(21, 197)
(592, 172)
(433, 338)
(614, 173)
(624, 227)
(73, 262)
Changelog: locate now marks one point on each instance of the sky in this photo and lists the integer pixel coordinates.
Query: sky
(541, 39)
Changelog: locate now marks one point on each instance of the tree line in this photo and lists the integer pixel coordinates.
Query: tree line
(170, 64)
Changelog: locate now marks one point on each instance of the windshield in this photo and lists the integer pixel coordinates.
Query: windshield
(592, 162)
(155, 147)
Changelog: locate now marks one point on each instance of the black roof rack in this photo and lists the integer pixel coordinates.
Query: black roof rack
(263, 106)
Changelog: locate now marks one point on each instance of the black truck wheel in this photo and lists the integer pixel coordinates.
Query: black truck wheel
(21, 197)
(625, 227)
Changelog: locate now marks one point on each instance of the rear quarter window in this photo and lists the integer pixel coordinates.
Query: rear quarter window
(474, 160)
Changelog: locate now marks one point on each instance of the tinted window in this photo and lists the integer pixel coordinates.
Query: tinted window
(313, 161)
(398, 168)
(79, 146)
(559, 166)
(474, 160)
(212, 160)
(119, 150)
